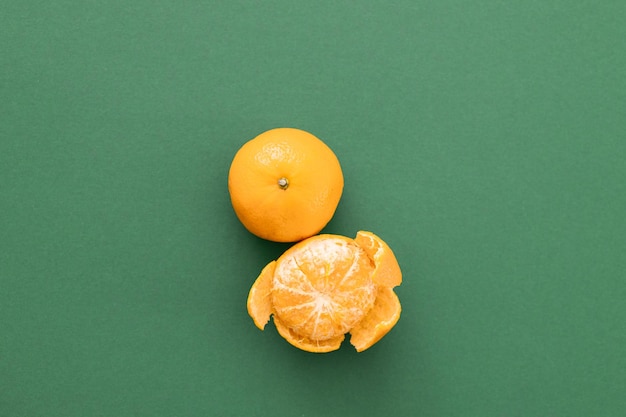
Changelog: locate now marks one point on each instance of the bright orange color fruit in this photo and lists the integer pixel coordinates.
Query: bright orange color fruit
(285, 185)
(326, 286)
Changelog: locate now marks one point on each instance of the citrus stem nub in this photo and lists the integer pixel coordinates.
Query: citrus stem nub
(283, 183)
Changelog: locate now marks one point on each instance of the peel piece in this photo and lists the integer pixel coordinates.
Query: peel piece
(387, 273)
(377, 323)
(259, 298)
(304, 343)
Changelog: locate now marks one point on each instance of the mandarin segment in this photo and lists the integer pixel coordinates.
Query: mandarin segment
(380, 319)
(306, 343)
(259, 298)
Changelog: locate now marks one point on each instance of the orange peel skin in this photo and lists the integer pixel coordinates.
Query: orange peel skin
(378, 322)
(327, 286)
(285, 184)
(259, 301)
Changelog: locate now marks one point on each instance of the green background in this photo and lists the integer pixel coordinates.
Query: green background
(485, 141)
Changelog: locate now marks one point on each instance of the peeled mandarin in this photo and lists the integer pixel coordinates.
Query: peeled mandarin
(326, 286)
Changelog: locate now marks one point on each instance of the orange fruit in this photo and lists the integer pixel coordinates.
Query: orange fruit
(326, 286)
(285, 185)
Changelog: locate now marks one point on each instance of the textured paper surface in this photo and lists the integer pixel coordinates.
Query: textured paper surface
(484, 141)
